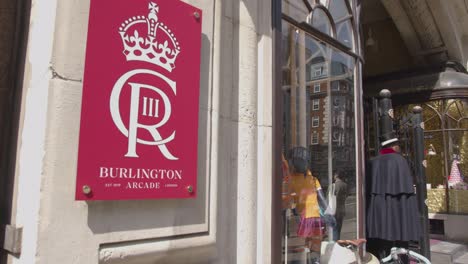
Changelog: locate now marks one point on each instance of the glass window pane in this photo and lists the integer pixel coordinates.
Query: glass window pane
(458, 186)
(343, 145)
(324, 2)
(318, 142)
(295, 9)
(345, 33)
(435, 172)
(455, 112)
(431, 118)
(464, 123)
(321, 21)
(338, 9)
(446, 150)
(436, 168)
(457, 147)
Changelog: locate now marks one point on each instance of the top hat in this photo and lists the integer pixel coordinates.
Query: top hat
(388, 138)
(386, 119)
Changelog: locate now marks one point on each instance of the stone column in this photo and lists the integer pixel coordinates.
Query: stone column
(247, 133)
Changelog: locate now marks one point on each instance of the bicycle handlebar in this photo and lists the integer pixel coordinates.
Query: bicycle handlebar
(399, 251)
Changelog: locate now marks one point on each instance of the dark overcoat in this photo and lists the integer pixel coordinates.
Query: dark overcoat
(392, 210)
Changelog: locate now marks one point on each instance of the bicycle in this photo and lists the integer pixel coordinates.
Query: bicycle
(393, 258)
(395, 253)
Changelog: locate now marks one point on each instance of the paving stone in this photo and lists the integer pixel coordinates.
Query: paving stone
(446, 248)
(446, 252)
(463, 259)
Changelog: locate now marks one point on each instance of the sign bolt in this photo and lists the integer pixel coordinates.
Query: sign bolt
(196, 15)
(86, 189)
(190, 189)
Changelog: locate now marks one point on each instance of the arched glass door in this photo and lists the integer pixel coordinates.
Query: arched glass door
(321, 128)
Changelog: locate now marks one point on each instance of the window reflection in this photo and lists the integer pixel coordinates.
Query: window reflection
(319, 178)
(330, 17)
(295, 8)
(323, 2)
(338, 9)
(321, 21)
(345, 33)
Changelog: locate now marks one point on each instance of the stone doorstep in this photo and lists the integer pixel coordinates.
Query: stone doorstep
(446, 252)
(437, 258)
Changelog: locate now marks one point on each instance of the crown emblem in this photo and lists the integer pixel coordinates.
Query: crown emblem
(157, 45)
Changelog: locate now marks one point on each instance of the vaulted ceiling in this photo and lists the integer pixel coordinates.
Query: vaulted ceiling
(400, 35)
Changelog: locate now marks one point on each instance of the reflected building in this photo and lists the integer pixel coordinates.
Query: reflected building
(329, 105)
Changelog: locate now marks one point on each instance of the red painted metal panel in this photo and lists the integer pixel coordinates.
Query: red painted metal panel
(139, 116)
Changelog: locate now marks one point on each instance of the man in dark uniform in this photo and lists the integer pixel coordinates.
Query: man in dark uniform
(392, 213)
(392, 210)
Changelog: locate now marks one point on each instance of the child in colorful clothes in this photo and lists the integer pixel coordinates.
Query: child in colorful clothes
(310, 199)
(310, 226)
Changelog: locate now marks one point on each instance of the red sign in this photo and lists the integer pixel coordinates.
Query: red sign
(139, 116)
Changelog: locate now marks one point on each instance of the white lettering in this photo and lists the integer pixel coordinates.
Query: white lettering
(131, 176)
(156, 108)
(133, 124)
(123, 173)
(146, 173)
(112, 171)
(143, 185)
(145, 102)
(154, 174)
(170, 174)
(150, 107)
(139, 173)
(103, 172)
